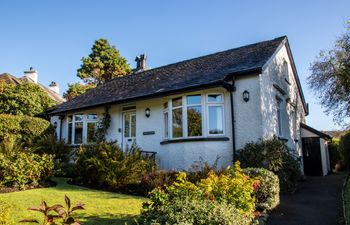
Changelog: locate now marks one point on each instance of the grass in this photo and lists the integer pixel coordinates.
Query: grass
(100, 207)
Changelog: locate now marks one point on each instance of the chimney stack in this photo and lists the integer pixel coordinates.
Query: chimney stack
(141, 63)
(32, 74)
(54, 87)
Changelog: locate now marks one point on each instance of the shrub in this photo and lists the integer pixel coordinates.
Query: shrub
(4, 213)
(335, 154)
(106, 164)
(267, 194)
(157, 178)
(25, 129)
(226, 198)
(63, 154)
(344, 146)
(272, 154)
(24, 168)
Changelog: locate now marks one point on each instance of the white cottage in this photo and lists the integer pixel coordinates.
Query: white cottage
(202, 108)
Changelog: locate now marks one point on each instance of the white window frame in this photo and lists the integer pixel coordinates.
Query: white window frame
(279, 113)
(85, 121)
(204, 113)
(208, 104)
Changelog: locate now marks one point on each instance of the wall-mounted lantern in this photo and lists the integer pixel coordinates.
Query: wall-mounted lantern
(147, 112)
(246, 96)
(55, 125)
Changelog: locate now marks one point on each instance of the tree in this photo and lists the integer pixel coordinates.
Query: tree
(104, 63)
(330, 78)
(76, 89)
(24, 99)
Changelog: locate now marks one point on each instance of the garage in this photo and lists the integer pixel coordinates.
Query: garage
(315, 151)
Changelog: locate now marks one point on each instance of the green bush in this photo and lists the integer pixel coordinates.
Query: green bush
(272, 154)
(4, 213)
(335, 154)
(106, 164)
(25, 129)
(157, 178)
(226, 198)
(268, 192)
(24, 168)
(344, 147)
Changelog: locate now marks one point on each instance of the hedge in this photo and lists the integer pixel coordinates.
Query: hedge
(26, 129)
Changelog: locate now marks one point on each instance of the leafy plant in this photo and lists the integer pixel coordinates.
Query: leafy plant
(344, 147)
(268, 192)
(106, 164)
(24, 168)
(51, 214)
(273, 155)
(103, 126)
(227, 198)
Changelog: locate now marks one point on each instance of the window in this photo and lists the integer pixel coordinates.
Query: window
(177, 117)
(78, 129)
(82, 128)
(166, 120)
(70, 129)
(187, 116)
(279, 117)
(215, 114)
(194, 115)
(91, 120)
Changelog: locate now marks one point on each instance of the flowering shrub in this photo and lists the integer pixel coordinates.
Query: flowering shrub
(268, 190)
(219, 199)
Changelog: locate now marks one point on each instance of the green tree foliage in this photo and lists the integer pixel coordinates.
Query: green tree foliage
(330, 78)
(76, 89)
(103, 64)
(24, 99)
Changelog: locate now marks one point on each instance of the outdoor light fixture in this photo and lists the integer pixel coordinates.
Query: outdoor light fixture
(55, 125)
(246, 96)
(147, 112)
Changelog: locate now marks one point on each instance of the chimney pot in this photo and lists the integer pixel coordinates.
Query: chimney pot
(141, 63)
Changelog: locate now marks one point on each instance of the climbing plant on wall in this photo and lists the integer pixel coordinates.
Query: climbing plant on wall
(103, 126)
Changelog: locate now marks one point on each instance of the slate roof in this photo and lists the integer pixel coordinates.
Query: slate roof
(8, 78)
(209, 70)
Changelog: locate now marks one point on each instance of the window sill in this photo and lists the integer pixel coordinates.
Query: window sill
(283, 139)
(194, 140)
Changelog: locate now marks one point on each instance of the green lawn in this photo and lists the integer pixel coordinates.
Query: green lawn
(101, 207)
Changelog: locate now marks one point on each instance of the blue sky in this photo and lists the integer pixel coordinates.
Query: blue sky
(52, 36)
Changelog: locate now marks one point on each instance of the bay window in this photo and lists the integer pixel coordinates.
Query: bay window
(81, 128)
(196, 115)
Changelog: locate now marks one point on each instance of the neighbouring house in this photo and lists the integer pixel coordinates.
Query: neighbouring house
(31, 76)
(198, 109)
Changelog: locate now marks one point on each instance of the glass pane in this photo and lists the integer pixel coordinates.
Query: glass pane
(91, 132)
(127, 125)
(165, 105)
(70, 131)
(177, 102)
(177, 122)
(92, 117)
(133, 125)
(193, 99)
(194, 121)
(78, 118)
(215, 98)
(78, 137)
(166, 125)
(215, 120)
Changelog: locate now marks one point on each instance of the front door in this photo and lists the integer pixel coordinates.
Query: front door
(129, 129)
(312, 156)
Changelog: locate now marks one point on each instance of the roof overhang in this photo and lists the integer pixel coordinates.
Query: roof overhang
(317, 132)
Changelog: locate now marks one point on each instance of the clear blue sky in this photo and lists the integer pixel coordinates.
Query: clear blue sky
(52, 36)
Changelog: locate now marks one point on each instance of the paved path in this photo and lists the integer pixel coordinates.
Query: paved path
(317, 202)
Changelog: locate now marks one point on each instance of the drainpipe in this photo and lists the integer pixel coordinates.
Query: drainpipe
(60, 135)
(233, 122)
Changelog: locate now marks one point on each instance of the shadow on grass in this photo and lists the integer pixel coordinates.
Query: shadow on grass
(121, 219)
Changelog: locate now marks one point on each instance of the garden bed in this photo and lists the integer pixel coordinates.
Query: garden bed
(44, 184)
